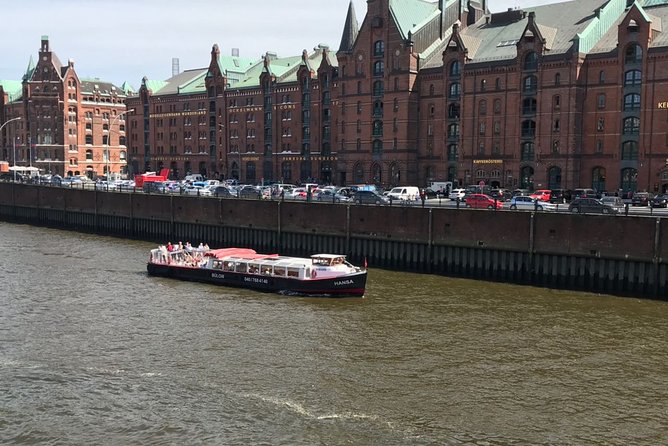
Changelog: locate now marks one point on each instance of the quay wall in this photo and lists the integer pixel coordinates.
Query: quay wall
(617, 255)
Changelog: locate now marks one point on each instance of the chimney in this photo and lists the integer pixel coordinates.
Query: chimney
(175, 66)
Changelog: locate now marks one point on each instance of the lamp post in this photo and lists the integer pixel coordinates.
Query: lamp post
(14, 151)
(111, 128)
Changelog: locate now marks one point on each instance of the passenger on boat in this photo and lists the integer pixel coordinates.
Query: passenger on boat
(170, 247)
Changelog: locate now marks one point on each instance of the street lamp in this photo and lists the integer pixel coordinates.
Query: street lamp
(14, 140)
(111, 128)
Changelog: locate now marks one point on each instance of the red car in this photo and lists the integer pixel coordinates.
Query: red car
(542, 195)
(482, 201)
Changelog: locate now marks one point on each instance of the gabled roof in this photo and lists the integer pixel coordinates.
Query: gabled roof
(410, 15)
(186, 82)
(561, 25)
(90, 86)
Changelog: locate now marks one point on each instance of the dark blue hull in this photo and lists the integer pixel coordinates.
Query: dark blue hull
(352, 285)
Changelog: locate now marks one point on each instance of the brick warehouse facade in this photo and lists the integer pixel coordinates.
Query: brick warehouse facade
(68, 126)
(564, 95)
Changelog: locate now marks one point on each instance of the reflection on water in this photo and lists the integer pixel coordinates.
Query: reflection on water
(93, 350)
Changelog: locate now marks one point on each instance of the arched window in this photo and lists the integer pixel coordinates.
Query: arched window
(557, 79)
(528, 128)
(629, 151)
(377, 146)
(527, 151)
(633, 77)
(632, 101)
(453, 131)
(482, 107)
(455, 68)
(377, 173)
(529, 106)
(554, 177)
(379, 48)
(452, 152)
(601, 77)
(378, 68)
(358, 173)
(526, 177)
(633, 53)
(530, 84)
(483, 85)
(378, 88)
(530, 61)
(629, 180)
(250, 172)
(89, 155)
(455, 90)
(453, 111)
(598, 179)
(377, 128)
(631, 126)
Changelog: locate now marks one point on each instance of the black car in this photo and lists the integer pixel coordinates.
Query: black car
(223, 192)
(591, 206)
(640, 199)
(560, 196)
(368, 197)
(249, 192)
(659, 201)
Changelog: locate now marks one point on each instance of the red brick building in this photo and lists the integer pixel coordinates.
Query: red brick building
(566, 95)
(68, 126)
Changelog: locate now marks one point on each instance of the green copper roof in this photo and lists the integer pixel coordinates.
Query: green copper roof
(411, 14)
(155, 86)
(650, 3)
(12, 88)
(30, 69)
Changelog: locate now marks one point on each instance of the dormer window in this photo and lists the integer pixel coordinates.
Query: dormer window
(633, 26)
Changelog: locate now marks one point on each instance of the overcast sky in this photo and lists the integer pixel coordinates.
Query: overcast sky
(125, 40)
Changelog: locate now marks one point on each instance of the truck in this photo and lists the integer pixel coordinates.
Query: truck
(151, 177)
(441, 187)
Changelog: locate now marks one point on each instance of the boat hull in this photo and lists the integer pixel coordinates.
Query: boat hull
(352, 285)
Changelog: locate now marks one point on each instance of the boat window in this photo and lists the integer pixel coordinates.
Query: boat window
(217, 264)
(241, 267)
(293, 272)
(266, 270)
(228, 266)
(279, 270)
(253, 268)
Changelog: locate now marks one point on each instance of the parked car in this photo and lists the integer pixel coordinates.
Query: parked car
(584, 193)
(482, 201)
(501, 194)
(641, 199)
(223, 192)
(522, 202)
(369, 197)
(329, 195)
(541, 194)
(614, 202)
(457, 193)
(591, 206)
(659, 201)
(249, 192)
(560, 196)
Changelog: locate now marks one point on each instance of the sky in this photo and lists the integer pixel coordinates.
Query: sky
(125, 40)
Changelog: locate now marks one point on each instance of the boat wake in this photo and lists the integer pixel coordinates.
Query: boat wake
(301, 410)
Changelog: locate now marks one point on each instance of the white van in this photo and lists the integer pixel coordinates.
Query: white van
(441, 187)
(410, 193)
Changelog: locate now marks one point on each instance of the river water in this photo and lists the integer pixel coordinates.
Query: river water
(93, 351)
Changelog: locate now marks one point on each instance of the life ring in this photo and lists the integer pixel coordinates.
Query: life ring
(313, 274)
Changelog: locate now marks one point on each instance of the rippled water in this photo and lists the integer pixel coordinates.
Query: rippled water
(93, 351)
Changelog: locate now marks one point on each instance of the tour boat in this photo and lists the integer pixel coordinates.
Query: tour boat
(319, 275)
